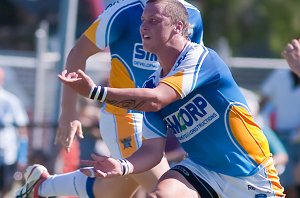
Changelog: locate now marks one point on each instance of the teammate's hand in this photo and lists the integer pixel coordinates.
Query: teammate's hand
(66, 132)
(101, 167)
(78, 81)
(292, 55)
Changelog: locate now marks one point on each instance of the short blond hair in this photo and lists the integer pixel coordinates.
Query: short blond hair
(177, 12)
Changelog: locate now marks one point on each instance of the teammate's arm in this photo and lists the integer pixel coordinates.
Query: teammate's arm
(143, 99)
(68, 121)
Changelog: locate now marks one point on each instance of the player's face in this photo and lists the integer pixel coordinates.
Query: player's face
(156, 29)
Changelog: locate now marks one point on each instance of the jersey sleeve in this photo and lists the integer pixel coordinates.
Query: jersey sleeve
(185, 74)
(107, 28)
(153, 125)
(196, 25)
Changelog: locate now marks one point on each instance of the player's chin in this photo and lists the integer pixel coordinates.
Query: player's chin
(147, 46)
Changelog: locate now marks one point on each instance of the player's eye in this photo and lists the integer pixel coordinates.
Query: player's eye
(153, 20)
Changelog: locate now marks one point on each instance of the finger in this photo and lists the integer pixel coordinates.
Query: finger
(68, 79)
(84, 76)
(79, 132)
(101, 174)
(87, 162)
(70, 138)
(295, 42)
(289, 47)
(98, 158)
(72, 75)
(62, 78)
(64, 72)
(80, 72)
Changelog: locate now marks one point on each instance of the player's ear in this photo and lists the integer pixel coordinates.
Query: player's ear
(178, 27)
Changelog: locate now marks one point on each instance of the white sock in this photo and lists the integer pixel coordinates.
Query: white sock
(67, 184)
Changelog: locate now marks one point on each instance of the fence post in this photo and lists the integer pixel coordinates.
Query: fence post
(41, 35)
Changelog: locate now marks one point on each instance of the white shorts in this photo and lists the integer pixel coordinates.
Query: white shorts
(121, 133)
(260, 185)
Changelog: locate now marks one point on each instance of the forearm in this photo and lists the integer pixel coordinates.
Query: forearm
(148, 156)
(142, 99)
(77, 60)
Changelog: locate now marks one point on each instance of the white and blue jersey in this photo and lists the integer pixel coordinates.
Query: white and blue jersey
(213, 123)
(211, 120)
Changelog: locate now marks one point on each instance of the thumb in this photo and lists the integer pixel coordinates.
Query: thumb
(80, 132)
(86, 77)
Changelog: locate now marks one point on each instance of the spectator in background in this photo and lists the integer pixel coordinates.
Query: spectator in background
(277, 148)
(292, 55)
(281, 96)
(13, 137)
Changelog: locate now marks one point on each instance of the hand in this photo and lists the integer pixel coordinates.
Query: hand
(78, 81)
(292, 55)
(66, 132)
(102, 167)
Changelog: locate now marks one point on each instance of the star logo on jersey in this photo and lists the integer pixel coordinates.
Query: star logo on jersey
(126, 142)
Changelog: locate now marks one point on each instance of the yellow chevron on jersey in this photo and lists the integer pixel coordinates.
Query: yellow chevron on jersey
(119, 77)
(248, 134)
(175, 81)
(90, 32)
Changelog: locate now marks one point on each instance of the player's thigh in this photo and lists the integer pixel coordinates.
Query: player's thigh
(115, 187)
(172, 185)
(121, 133)
(149, 179)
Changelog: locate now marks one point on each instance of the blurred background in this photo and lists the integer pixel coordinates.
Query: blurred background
(36, 35)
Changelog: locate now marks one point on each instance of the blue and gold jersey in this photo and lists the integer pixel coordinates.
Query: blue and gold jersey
(118, 28)
(211, 120)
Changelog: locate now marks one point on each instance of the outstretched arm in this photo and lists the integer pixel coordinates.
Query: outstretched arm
(145, 158)
(292, 55)
(69, 125)
(143, 99)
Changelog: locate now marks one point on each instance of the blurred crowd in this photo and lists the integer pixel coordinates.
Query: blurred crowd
(19, 20)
